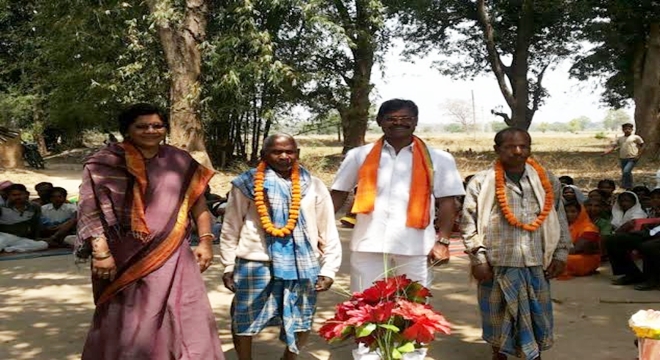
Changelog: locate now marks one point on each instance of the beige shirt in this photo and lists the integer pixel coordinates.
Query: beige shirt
(243, 237)
(629, 146)
(507, 245)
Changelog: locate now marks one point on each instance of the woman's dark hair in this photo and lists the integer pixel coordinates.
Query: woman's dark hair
(607, 181)
(655, 191)
(131, 113)
(574, 204)
(600, 192)
(641, 190)
(566, 180)
(394, 105)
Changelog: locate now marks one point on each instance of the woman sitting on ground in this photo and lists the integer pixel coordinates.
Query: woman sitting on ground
(596, 209)
(607, 187)
(572, 193)
(584, 257)
(626, 209)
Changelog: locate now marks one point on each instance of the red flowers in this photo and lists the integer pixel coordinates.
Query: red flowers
(391, 316)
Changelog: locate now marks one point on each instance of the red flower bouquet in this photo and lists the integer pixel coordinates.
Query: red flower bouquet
(391, 318)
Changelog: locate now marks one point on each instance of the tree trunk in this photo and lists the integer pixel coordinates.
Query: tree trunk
(356, 117)
(520, 67)
(647, 91)
(180, 40)
(516, 90)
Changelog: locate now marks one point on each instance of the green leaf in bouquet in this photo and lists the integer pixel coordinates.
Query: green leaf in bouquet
(406, 348)
(389, 327)
(365, 330)
(396, 354)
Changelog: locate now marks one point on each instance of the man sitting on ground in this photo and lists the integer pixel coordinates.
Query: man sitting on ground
(654, 211)
(19, 222)
(43, 190)
(58, 218)
(647, 243)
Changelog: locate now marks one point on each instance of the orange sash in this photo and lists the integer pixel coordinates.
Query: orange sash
(136, 166)
(419, 201)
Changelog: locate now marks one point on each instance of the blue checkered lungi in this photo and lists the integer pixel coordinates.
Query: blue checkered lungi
(260, 301)
(516, 311)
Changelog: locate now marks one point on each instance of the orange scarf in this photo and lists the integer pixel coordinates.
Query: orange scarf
(136, 166)
(419, 201)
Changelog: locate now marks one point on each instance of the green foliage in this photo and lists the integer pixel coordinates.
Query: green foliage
(454, 128)
(530, 35)
(578, 124)
(600, 135)
(615, 118)
(619, 30)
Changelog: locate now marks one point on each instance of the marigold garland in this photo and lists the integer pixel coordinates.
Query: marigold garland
(262, 208)
(500, 193)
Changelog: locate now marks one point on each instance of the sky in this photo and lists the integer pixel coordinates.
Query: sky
(569, 98)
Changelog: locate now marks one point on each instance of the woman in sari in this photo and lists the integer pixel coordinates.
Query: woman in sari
(584, 257)
(136, 200)
(626, 209)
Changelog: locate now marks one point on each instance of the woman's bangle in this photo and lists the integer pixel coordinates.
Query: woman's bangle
(102, 256)
(207, 235)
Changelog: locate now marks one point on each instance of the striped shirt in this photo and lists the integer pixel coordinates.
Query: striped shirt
(507, 245)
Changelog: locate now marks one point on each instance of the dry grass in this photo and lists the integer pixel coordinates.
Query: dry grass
(576, 155)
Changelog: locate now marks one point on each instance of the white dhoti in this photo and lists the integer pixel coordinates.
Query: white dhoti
(13, 243)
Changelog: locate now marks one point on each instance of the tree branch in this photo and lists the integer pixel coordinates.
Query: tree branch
(493, 56)
(538, 92)
(505, 116)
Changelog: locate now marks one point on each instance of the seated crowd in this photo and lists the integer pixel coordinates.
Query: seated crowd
(623, 227)
(30, 225)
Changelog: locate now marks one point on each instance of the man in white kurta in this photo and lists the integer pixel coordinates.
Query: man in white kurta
(381, 242)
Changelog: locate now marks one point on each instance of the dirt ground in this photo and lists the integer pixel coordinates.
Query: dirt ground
(46, 307)
(46, 303)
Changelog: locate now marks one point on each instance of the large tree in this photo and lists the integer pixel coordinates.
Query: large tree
(182, 30)
(515, 40)
(627, 57)
(352, 36)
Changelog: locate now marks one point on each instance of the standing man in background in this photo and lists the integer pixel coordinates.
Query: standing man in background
(630, 147)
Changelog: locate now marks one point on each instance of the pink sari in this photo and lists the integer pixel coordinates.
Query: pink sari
(157, 306)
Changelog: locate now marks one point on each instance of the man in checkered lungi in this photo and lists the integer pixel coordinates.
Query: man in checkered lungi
(515, 231)
(280, 247)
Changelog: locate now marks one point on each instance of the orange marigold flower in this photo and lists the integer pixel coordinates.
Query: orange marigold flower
(262, 208)
(500, 192)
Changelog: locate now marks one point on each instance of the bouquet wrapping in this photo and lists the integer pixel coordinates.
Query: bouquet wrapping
(391, 318)
(646, 325)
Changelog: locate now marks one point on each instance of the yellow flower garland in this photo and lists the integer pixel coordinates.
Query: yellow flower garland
(262, 208)
(500, 193)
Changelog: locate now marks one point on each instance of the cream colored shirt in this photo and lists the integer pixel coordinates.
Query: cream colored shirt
(243, 237)
(629, 146)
